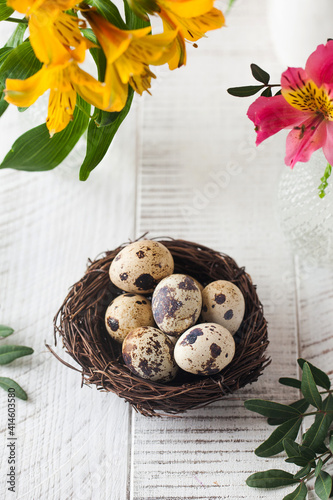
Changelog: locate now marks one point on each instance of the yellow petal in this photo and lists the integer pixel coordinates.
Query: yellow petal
(116, 89)
(19, 5)
(25, 92)
(140, 83)
(195, 28)
(90, 89)
(67, 30)
(178, 54)
(60, 110)
(188, 8)
(47, 46)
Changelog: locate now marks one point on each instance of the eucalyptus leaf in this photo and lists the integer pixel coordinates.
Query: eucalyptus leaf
(309, 388)
(315, 436)
(10, 352)
(301, 405)
(319, 376)
(271, 409)
(5, 331)
(319, 466)
(290, 382)
(293, 451)
(323, 485)
(274, 444)
(259, 74)
(273, 478)
(303, 472)
(245, 91)
(8, 383)
(299, 494)
(36, 151)
(5, 11)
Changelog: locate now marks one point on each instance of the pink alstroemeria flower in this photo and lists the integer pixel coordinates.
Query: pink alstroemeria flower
(305, 106)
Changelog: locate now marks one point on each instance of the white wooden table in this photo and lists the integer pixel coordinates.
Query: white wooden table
(159, 176)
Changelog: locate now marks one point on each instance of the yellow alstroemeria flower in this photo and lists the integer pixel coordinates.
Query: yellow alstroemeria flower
(191, 18)
(64, 82)
(129, 54)
(53, 32)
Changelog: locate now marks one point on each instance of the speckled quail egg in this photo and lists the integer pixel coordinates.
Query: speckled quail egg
(127, 312)
(148, 353)
(176, 304)
(204, 349)
(138, 267)
(223, 303)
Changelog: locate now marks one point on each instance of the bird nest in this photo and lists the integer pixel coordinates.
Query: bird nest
(80, 325)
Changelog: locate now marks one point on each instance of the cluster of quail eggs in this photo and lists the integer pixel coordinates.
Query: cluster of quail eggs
(184, 325)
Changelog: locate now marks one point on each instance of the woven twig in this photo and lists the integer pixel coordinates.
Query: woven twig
(80, 324)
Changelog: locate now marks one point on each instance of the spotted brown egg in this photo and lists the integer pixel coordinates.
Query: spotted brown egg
(127, 312)
(176, 304)
(204, 349)
(148, 353)
(223, 303)
(138, 267)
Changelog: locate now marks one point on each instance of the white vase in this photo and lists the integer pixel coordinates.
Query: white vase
(298, 26)
(307, 219)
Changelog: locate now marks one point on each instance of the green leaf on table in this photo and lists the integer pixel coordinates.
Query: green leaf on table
(245, 91)
(259, 74)
(108, 10)
(17, 37)
(303, 472)
(5, 331)
(299, 494)
(301, 405)
(37, 151)
(319, 466)
(10, 352)
(274, 444)
(323, 485)
(5, 11)
(8, 383)
(273, 478)
(315, 436)
(290, 382)
(100, 137)
(309, 388)
(271, 409)
(319, 376)
(297, 454)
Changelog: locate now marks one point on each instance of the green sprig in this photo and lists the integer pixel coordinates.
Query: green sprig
(324, 181)
(314, 449)
(261, 76)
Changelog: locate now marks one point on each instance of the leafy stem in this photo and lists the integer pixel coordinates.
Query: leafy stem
(261, 76)
(16, 20)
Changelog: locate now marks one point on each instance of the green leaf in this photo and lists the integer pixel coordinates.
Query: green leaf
(271, 409)
(245, 91)
(8, 383)
(4, 53)
(259, 74)
(290, 382)
(303, 472)
(36, 151)
(301, 405)
(108, 10)
(330, 444)
(299, 494)
(319, 466)
(273, 478)
(5, 331)
(319, 376)
(267, 92)
(309, 388)
(5, 11)
(323, 485)
(100, 137)
(278, 92)
(298, 454)
(17, 37)
(133, 20)
(324, 181)
(274, 444)
(10, 352)
(315, 436)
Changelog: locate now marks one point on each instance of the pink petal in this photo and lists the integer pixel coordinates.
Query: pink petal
(302, 142)
(328, 146)
(293, 79)
(319, 65)
(272, 114)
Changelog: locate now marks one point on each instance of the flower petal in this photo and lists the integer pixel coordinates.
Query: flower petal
(25, 92)
(188, 8)
(117, 91)
(90, 89)
(272, 114)
(47, 46)
(319, 65)
(328, 146)
(60, 110)
(302, 141)
(194, 28)
(140, 83)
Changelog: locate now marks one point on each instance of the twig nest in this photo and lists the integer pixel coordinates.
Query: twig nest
(148, 353)
(205, 349)
(223, 303)
(176, 304)
(139, 266)
(80, 323)
(127, 312)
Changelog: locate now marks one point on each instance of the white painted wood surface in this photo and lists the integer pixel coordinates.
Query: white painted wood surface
(184, 164)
